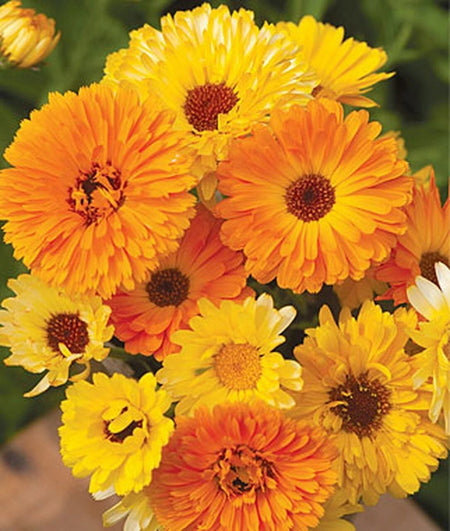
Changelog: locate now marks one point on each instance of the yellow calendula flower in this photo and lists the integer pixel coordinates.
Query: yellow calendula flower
(48, 331)
(26, 38)
(227, 356)
(114, 429)
(336, 508)
(358, 385)
(218, 71)
(346, 68)
(433, 303)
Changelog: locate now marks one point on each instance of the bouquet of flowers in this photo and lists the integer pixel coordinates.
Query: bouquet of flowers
(176, 217)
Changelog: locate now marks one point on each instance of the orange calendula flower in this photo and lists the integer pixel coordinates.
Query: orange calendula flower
(353, 293)
(330, 205)
(202, 266)
(358, 386)
(426, 242)
(345, 68)
(218, 71)
(242, 466)
(26, 38)
(113, 430)
(98, 191)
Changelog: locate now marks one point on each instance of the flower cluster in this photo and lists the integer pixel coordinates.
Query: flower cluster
(164, 214)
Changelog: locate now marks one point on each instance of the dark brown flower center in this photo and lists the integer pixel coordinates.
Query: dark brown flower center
(364, 404)
(168, 287)
(243, 471)
(69, 329)
(310, 197)
(97, 193)
(426, 264)
(204, 103)
(120, 436)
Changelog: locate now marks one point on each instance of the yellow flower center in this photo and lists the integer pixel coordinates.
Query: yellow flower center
(363, 405)
(238, 366)
(242, 471)
(426, 264)
(168, 287)
(118, 424)
(69, 329)
(310, 197)
(97, 193)
(204, 103)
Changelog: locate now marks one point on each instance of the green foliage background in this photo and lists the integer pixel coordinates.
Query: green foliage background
(413, 32)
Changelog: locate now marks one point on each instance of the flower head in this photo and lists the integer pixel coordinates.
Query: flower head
(26, 38)
(425, 242)
(218, 71)
(358, 386)
(114, 429)
(242, 466)
(227, 356)
(345, 69)
(202, 266)
(433, 303)
(48, 331)
(98, 191)
(330, 205)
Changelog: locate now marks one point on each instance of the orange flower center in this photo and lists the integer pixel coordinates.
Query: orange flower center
(111, 427)
(310, 197)
(204, 103)
(242, 471)
(97, 193)
(238, 366)
(426, 264)
(69, 329)
(364, 404)
(168, 287)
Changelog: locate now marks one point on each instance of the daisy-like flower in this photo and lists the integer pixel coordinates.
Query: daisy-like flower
(218, 71)
(98, 191)
(433, 303)
(336, 508)
(330, 205)
(345, 69)
(243, 466)
(358, 386)
(227, 356)
(26, 38)
(114, 429)
(353, 293)
(48, 331)
(202, 266)
(135, 509)
(426, 242)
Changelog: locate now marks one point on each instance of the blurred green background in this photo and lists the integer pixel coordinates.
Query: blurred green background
(415, 101)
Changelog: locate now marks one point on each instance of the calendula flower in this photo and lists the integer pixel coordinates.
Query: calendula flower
(135, 509)
(227, 356)
(98, 191)
(346, 69)
(353, 293)
(336, 508)
(48, 331)
(330, 205)
(218, 71)
(113, 430)
(26, 38)
(433, 303)
(242, 466)
(426, 242)
(202, 266)
(358, 386)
